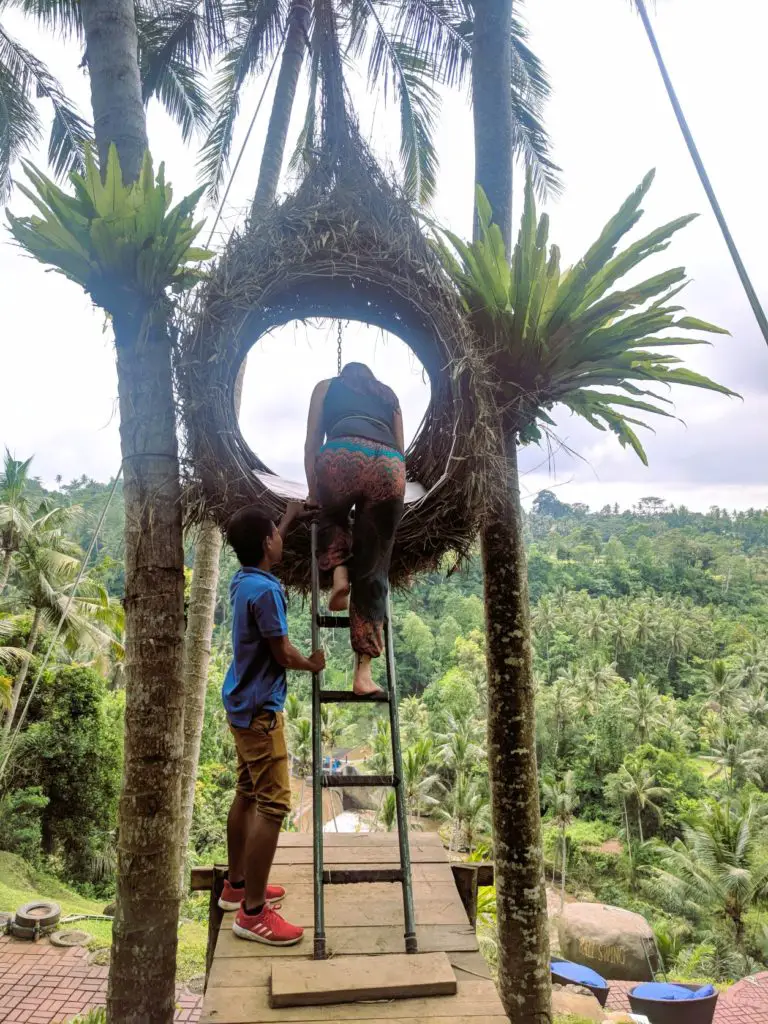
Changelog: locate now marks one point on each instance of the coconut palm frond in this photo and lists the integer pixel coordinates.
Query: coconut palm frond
(440, 30)
(255, 41)
(174, 46)
(63, 16)
(23, 76)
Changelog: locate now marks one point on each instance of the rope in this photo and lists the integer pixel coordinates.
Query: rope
(338, 349)
(64, 614)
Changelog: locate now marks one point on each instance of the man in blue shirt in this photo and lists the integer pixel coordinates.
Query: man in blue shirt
(254, 694)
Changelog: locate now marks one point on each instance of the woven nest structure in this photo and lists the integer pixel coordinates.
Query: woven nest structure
(344, 246)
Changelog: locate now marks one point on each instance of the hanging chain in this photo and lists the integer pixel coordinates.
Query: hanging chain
(338, 349)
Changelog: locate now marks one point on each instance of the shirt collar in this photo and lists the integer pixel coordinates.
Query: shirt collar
(254, 570)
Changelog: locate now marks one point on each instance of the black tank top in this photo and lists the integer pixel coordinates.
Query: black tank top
(347, 413)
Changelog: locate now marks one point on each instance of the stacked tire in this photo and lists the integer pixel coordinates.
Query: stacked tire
(35, 919)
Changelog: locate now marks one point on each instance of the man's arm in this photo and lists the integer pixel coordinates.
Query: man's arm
(294, 510)
(315, 435)
(285, 654)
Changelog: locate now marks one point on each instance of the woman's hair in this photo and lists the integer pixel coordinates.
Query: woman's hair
(360, 378)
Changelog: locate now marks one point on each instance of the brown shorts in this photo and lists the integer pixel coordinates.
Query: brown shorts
(262, 764)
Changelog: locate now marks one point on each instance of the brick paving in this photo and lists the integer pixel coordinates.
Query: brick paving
(746, 1002)
(44, 984)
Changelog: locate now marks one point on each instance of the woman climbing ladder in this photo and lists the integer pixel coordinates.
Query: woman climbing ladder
(354, 457)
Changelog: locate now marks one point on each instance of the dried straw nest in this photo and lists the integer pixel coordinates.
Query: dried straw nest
(349, 251)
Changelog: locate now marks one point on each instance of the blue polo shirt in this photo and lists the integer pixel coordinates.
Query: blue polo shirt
(255, 681)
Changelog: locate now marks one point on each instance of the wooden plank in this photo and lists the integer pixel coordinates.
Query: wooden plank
(248, 971)
(294, 839)
(432, 938)
(421, 853)
(469, 965)
(301, 874)
(351, 906)
(201, 878)
(424, 842)
(353, 979)
(251, 1006)
(292, 874)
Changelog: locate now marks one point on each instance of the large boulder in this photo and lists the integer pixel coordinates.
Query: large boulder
(616, 943)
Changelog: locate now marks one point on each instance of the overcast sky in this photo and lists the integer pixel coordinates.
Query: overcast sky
(610, 122)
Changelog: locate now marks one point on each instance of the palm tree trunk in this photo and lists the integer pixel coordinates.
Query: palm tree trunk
(629, 834)
(143, 966)
(111, 53)
(21, 677)
(282, 105)
(640, 823)
(197, 656)
(492, 108)
(5, 571)
(562, 871)
(524, 978)
(142, 975)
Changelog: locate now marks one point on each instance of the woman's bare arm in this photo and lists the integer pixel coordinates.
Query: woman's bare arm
(397, 428)
(315, 436)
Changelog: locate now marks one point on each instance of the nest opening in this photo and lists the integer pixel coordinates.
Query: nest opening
(350, 252)
(283, 367)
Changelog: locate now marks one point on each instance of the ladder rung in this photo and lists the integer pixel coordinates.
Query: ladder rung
(357, 781)
(348, 697)
(333, 621)
(345, 876)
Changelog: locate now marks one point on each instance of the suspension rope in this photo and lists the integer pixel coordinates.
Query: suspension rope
(247, 137)
(64, 614)
(338, 348)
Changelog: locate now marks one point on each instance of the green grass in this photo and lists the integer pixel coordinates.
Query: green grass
(20, 883)
(570, 1018)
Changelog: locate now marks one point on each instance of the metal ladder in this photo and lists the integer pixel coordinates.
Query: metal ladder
(322, 780)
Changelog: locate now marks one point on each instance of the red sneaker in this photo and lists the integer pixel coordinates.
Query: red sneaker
(231, 898)
(267, 927)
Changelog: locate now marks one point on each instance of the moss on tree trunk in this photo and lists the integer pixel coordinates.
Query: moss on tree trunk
(524, 975)
(142, 975)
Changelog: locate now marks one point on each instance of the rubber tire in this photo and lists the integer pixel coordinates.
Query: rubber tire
(70, 938)
(47, 920)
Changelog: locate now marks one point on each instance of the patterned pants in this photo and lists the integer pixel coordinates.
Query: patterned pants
(371, 477)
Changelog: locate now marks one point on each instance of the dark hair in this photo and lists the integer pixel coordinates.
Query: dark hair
(361, 378)
(246, 532)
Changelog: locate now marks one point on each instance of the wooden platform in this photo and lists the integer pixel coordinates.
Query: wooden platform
(360, 920)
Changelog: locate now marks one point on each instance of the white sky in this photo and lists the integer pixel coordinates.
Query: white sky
(610, 122)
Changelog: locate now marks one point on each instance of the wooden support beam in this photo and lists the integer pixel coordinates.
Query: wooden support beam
(201, 877)
(469, 878)
(355, 979)
(215, 915)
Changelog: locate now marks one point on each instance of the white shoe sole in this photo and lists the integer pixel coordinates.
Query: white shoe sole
(226, 905)
(244, 933)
